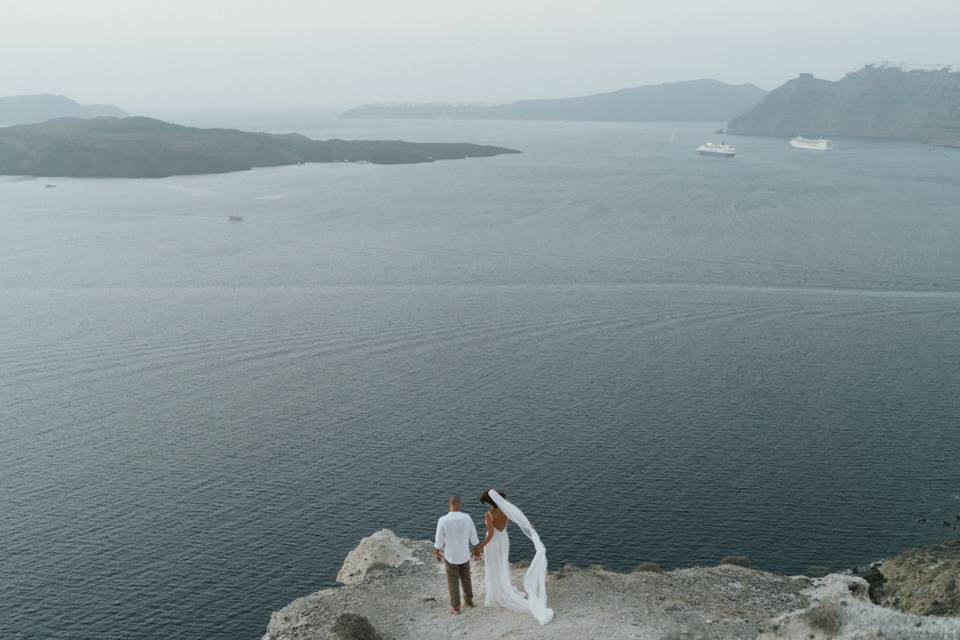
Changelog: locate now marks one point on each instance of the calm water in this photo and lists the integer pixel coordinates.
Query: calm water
(659, 356)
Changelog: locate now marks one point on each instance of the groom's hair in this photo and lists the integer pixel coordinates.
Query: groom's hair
(454, 501)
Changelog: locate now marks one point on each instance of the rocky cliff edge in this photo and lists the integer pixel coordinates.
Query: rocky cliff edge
(393, 589)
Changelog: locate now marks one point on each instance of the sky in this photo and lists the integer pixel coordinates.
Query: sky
(301, 54)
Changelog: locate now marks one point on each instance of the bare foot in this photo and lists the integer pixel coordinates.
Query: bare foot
(469, 606)
(454, 612)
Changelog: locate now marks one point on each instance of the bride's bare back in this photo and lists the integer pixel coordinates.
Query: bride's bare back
(496, 518)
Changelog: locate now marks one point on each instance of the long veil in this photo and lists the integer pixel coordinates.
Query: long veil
(535, 579)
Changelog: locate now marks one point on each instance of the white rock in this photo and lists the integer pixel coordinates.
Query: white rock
(838, 586)
(380, 550)
(842, 611)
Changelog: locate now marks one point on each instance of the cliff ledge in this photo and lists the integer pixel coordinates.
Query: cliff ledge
(395, 584)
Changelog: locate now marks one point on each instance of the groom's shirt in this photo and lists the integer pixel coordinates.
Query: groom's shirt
(455, 534)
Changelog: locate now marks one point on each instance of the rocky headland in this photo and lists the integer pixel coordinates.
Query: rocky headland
(921, 581)
(878, 101)
(394, 590)
(137, 147)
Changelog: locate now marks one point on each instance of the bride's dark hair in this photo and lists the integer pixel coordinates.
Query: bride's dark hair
(485, 497)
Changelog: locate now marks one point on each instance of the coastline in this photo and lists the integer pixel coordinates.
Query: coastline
(393, 586)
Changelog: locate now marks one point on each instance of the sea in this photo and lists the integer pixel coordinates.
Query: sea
(658, 356)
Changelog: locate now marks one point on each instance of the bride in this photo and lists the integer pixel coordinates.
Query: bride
(495, 548)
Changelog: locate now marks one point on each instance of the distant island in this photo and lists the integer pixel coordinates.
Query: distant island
(693, 100)
(46, 106)
(139, 147)
(878, 100)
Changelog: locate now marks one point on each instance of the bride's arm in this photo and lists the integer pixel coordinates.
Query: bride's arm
(487, 520)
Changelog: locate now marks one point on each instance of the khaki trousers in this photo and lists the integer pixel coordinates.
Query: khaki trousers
(457, 574)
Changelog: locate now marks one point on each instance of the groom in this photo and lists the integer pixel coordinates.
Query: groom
(455, 535)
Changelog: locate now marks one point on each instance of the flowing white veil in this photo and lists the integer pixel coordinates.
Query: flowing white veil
(535, 579)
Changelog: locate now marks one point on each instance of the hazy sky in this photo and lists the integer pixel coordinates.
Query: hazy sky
(307, 53)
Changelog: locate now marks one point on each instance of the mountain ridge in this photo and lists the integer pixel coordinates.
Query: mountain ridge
(689, 100)
(40, 107)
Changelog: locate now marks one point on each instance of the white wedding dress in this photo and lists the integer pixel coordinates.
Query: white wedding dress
(500, 591)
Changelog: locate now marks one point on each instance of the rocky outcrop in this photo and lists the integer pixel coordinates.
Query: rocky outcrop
(350, 626)
(396, 590)
(649, 567)
(375, 553)
(876, 101)
(921, 581)
(738, 561)
(841, 610)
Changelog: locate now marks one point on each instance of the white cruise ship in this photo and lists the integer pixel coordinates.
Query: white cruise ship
(710, 149)
(822, 144)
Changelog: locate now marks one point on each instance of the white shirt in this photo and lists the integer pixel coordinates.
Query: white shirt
(455, 534)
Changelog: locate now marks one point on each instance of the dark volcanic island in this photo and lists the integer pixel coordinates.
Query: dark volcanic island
(138, 147)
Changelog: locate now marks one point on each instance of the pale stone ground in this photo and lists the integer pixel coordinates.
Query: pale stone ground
(398, 586)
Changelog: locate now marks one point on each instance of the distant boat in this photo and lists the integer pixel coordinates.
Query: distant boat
(235, 218)
(50, 186)
(821, 144)
(712, 149)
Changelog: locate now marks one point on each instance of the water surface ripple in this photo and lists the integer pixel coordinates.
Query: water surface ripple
(661, 357)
